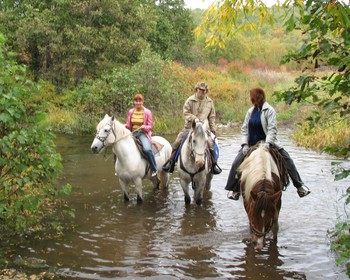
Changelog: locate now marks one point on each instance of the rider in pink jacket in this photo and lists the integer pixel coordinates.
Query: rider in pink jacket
(139, 121)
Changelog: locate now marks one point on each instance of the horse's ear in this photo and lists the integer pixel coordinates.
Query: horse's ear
(276, 197)
(113, 118)
(106, 116)
(193, 124)
(253, 195)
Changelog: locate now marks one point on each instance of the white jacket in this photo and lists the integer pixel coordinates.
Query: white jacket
(268, 121)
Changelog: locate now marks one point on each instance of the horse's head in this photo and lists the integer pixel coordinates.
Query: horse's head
(198, 140)
(105, 134)
(262, 191)
(263, 208)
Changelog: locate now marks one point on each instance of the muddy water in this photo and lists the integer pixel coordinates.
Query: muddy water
(164, 239)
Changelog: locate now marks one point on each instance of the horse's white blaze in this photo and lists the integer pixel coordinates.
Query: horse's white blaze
(262, 213)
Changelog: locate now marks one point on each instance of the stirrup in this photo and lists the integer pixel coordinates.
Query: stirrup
(233, 195)
(303, 191)
(216, 169)
(169, 166)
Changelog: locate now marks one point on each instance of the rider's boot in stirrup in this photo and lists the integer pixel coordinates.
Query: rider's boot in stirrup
(215, 169)
(170, 164)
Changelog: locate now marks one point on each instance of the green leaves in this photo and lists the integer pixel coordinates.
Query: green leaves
(29, 164)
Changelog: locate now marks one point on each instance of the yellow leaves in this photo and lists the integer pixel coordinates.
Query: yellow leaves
(225, 18)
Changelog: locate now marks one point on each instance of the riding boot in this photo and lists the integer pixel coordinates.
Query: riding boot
(215, 169)
(170, 164)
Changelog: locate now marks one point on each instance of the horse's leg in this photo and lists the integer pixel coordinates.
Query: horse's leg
(274, 230)
(138, 188)
(198, 195)
(125, 187)
(155, 182)
(208, 181)
(185, 189)
(164, 179)
(198, 192)
(275, 225)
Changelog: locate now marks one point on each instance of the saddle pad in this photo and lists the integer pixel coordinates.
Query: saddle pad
(156, 146)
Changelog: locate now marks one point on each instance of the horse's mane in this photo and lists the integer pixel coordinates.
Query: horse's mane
(263, 191)
(118, 127)
(255, 168)
(198, 130)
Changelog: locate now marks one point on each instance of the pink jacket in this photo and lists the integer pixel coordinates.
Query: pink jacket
(147, 121)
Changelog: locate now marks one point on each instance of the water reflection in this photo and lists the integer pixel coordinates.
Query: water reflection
(265, 264)
(195, 249)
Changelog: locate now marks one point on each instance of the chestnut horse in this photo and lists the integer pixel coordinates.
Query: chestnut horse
(262, 181)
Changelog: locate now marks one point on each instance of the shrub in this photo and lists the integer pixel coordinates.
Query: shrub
(29, 164)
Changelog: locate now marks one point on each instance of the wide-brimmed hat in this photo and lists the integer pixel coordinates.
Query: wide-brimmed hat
(202, 86)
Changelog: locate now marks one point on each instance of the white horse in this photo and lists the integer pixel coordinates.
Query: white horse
(193, 165)
(130, 165)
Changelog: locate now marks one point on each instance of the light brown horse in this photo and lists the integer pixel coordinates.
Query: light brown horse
(261, 184)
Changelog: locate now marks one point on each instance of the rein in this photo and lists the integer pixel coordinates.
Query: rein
(103, 139)
(259, 233)
(192, 174)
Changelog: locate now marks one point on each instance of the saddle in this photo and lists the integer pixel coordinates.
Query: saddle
(156, 147)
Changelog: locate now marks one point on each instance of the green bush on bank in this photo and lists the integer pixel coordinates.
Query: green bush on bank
(29, 163)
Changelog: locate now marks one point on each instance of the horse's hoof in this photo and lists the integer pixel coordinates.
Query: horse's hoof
(139, 199)
(126, 197)
(199, 201)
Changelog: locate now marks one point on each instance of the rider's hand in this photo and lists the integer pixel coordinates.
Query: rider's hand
(245, 149)
(267, 145)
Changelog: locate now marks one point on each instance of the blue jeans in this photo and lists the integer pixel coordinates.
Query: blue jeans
(147, 148)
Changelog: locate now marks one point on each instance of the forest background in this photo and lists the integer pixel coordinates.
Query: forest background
(64, 64)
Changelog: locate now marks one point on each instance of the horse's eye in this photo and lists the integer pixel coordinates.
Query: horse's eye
(106, 130)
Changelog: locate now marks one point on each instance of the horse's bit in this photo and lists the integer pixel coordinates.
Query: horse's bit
(103, 139)
(259, 233)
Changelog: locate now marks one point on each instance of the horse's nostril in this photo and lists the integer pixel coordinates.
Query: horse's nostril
(200, 163)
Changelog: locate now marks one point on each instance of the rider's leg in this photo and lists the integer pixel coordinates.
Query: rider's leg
(294, 174)
(170, 164)
(147, 148)
(215, 169)
(232, 184)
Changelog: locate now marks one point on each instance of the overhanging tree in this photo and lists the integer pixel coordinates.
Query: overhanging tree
(326, 26)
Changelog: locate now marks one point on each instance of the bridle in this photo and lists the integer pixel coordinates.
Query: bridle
(104, 138)
(193, 149)
(193, 155)
(259, 233)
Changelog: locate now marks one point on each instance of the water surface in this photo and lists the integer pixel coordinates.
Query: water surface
(165, 239)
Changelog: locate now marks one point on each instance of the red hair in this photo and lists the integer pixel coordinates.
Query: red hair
(138, 97)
